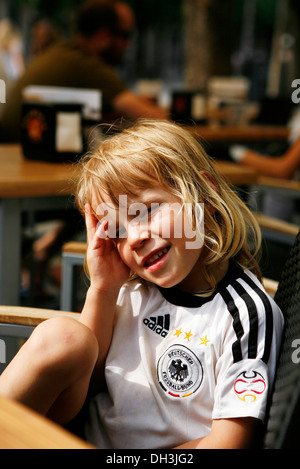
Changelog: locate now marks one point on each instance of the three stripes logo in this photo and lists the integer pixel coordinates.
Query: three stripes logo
(159, 324)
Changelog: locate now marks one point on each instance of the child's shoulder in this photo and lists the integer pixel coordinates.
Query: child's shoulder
(238, 275)
(242, 280)
(246, 299)
(242, 283)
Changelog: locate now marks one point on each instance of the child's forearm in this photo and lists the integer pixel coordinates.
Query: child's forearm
(236, 433)
(98, 316)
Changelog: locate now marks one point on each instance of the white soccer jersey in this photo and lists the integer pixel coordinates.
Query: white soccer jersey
(178, 361)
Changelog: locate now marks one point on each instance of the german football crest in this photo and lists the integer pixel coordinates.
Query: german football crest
(179, 372)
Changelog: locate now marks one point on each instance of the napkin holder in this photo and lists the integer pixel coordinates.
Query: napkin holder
(52, 132)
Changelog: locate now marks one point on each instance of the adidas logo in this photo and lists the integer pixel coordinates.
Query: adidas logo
(160, 325)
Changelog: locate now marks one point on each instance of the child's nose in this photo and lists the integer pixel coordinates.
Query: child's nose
(137, 234)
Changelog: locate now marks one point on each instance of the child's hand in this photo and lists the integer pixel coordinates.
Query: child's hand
(106, 268)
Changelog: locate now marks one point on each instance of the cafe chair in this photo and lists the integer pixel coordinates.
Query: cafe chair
(282, 427)
(288, 191)
(286, 187)
(277, 230)
(17, 324)
(278, 237)
(73, 254)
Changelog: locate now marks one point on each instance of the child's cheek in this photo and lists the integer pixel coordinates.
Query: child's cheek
(124, 254)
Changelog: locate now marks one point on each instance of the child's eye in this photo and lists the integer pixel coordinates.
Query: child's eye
(155, 208)
(150, 211)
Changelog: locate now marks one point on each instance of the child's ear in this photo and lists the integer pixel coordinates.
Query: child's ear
(210, 180)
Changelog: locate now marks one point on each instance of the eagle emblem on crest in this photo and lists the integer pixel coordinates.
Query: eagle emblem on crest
(179, 372)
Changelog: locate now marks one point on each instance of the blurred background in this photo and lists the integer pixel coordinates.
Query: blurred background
(182, 46)
(181, 42)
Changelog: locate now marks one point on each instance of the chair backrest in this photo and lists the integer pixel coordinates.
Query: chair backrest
(282, 428)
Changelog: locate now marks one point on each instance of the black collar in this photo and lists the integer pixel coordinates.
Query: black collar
(178, 297)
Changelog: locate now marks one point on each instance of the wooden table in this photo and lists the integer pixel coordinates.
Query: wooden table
(235, 174)
(21, 428)
(28, 184)
(247, 133)
(25, 178)
(25, 186)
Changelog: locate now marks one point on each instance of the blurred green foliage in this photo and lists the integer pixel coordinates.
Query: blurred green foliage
(55, 10)
(147, 11)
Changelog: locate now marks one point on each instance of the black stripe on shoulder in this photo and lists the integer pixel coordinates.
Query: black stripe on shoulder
(237, 325)
(268, 315)
(253, 318)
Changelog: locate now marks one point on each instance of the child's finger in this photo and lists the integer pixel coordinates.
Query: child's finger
(91, 223)
(101, 238)
(101, 230)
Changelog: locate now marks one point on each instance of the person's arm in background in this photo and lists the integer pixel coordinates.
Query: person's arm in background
(280, 167)
(133, 106)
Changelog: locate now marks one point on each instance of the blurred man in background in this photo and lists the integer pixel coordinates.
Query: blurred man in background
(103, 30)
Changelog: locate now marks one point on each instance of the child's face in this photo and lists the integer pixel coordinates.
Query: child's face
(154, 238)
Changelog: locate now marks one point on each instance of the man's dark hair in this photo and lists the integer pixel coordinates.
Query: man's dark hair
(95, 15)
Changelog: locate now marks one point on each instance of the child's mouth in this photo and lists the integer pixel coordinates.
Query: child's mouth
(157, 256)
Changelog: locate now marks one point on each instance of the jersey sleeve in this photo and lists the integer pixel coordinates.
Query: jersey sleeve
(246, 366)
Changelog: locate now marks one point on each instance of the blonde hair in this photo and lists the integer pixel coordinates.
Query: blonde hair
(152, 153)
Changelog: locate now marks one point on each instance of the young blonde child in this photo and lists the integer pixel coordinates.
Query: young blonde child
(177, 342)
